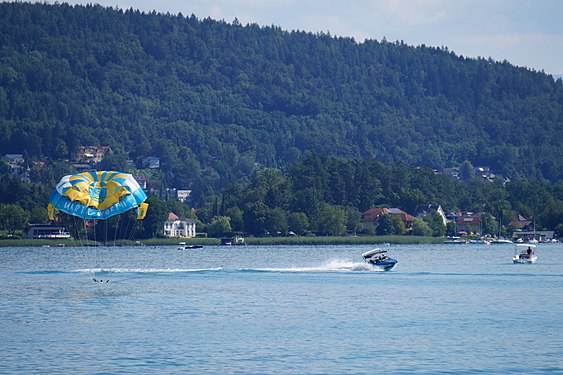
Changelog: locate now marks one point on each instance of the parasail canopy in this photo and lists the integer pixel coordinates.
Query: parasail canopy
(98, 195)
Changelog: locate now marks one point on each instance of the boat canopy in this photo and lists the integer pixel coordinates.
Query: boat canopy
(372, 253)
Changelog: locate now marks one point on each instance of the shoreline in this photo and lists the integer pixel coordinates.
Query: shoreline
(338, 240)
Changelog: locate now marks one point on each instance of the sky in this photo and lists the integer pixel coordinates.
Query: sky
(526, 33)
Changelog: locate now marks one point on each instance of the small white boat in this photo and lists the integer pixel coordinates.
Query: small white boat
(233, 241)
(184, 246)
(455, 241)
(524, 253)
(501, 241)
(379, 258)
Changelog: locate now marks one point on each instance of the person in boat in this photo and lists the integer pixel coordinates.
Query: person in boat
(528, 253)
(377, 258)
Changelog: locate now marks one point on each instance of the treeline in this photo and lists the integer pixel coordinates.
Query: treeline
(325, 195)
(212, 100)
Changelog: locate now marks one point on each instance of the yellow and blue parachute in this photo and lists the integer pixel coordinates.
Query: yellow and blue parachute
(97, 195)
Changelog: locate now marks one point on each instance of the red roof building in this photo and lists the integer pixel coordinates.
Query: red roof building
(374, 214)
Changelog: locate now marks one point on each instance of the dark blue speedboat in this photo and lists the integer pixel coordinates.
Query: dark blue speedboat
(379, 258)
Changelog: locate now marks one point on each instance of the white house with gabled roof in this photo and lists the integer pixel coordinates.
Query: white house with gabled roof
(175, 226)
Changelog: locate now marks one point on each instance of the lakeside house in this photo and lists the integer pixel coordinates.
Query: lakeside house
(45, 231)
(520, 223)
(468, 222)
(526, 236)
(175, 226)
(373, 215)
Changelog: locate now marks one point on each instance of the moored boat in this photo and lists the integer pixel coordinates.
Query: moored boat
(500, 241)
(455, 241)
(233, 241)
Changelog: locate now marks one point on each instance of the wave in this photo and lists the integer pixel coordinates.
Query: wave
(331, 266)
(147, 270)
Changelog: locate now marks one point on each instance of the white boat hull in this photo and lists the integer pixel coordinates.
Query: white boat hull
(518, 259)
(524, 253)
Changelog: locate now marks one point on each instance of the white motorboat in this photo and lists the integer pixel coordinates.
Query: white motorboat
(501, 241)
(184, 246)
(377, 257)
(524, 253)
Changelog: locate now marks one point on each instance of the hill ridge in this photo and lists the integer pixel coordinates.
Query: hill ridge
(212, 99)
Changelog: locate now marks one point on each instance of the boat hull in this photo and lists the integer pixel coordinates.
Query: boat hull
(526, 260)
(189, 247)
(386, 265)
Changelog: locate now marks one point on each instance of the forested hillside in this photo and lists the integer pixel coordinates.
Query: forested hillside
(212, 99)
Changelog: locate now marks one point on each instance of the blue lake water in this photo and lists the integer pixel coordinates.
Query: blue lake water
(280, 310)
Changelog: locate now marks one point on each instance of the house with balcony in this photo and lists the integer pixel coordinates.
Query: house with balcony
(177, 227)
(46, 231)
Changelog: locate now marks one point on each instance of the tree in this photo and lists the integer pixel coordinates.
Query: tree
(276, 222)
(451, 229)
(467, 171)
(390, 225)
(353, 216)
(235, 216)
(298, 223)
(435, 223)
(488, 225)
(38, 215)
(114, 162)
(12, 218)
(254, 215)
(219, 226)
(331, 220)
(153, 223)
(421, 228)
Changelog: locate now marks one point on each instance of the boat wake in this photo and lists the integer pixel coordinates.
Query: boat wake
(146, 270)
(331, 266)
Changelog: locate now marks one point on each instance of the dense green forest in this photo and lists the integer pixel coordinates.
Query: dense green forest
(212, 99)
(263, 123)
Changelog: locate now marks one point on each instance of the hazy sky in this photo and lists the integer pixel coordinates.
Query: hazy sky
(525, 32)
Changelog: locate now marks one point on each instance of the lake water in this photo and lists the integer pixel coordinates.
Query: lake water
(459, 309)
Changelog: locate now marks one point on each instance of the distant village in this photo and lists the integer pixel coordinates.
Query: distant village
(88, 158)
